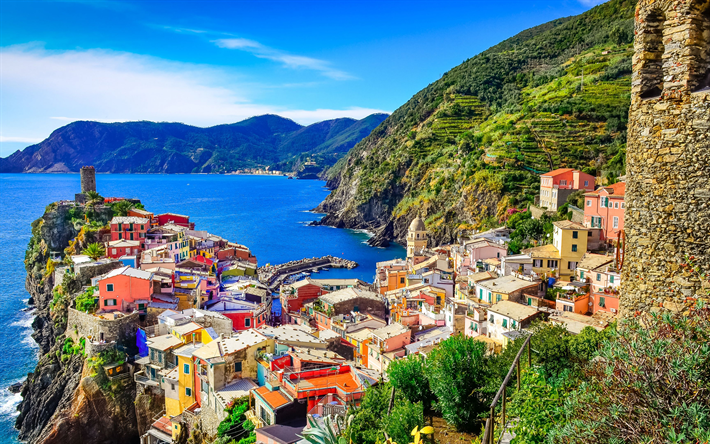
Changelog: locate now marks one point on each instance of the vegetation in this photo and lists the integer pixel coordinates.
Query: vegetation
(122, 207)
(236, 428)
(95, 250)
(330, 432)
(86, 302)
(71, 348)
(471, 145)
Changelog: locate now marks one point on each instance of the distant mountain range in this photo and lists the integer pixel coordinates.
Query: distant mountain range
(159, 147)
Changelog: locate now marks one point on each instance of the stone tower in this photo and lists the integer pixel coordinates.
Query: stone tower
(668, 155)
(416, 237)
(88, 179)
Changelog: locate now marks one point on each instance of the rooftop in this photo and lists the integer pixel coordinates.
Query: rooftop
(506, 284)
(347, 294)
(543, 251)
(186, 328)
(128, 271)
(568, 225)
(390, 331)
(513, 310)
(123, 243)
(274, 399)
(186, 351)
(240, 341)
(557, 172)
(617, 189)
(129, 220)
(591, 261)
(289, 332)
(164, 342)
(481, 276)
(236, 389)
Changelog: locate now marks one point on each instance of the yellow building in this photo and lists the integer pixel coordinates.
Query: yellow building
(569, 244)
(191, 331)
(416, 238)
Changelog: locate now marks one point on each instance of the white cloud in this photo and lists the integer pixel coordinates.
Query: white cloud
(40, 88)
(20, 139)
(288, 60)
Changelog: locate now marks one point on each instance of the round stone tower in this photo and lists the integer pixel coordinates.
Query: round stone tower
(668, 156)
(416, 237)
(88, 179)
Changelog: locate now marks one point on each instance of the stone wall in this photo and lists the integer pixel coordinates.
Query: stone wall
(83, 324)
(668, 156)
(537, 212)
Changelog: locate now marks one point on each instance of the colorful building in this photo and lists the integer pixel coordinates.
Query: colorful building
(123, 247)
(604, 209)
(125, 289)
(130, 228)
(561, 258)
(176, 219)
(557, 185)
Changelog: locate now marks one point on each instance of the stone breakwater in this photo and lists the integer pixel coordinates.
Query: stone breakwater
(273, 274)
(668, 158)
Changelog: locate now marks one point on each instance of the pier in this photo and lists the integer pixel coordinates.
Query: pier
(274, 275)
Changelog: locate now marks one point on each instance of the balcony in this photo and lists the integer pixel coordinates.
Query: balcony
(141, 378)
(251, 416)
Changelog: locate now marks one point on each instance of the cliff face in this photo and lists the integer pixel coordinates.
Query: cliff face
(471, 145)
(62, 402)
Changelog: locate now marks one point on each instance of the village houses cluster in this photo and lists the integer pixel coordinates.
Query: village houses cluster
(209, 328)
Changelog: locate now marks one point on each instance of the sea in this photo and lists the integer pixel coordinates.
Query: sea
(269, 214)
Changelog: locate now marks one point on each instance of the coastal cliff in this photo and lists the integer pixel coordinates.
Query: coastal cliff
(471, 145)
(67, 398)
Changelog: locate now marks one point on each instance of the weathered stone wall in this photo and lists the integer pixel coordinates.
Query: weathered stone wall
(668, 156)
(88, 179)
(83, 324)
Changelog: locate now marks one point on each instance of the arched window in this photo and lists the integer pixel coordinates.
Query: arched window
(700, 73)
(651, 70)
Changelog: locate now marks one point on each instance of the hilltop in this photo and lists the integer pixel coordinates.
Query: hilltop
(471, 145)
(161, 147)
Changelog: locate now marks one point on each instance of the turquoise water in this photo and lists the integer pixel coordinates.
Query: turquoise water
(268, 214)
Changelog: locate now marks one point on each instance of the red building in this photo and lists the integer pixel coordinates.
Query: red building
(125, 289)
(557, 185)
(604, 208)
(294, 296)
(243, 314)
(123, 247)
(175, 219)
(130, 228)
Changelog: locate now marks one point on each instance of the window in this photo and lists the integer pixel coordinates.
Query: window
(616, 222)
(537, 263)
(616, 204)
(551, 263)
(113, 251)
(172, 387)
(611, 279)
(490, 319)
(571, 266)
(581, 274)
(505, 323)
(589, 202)
(480, 293)
(110, 303)
(401, 280)
(529, 301)
(599, 277)
(574, 248)
(586, 183)
(142, 227)
(152, 354)
(622, 205)
(120, 236)
(499, 297)
(566, 308)
(490, 296)
(247, 322)
(475, 327)
(188, 391)
(498, 254)
(109, 287)
(186, 369)
(602, 301)
(563, 182)
(238, 366)
(575, 235)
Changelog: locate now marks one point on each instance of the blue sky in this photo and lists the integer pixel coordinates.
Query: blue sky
(212, 62)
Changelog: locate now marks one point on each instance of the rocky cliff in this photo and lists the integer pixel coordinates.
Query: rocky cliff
(64, 400)
(472, 144)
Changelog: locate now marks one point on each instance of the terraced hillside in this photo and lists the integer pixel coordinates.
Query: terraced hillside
(472, 144)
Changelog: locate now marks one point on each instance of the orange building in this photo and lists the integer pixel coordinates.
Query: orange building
(557, 185)
(604, 208)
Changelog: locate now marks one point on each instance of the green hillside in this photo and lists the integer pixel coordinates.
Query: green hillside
(472, 144)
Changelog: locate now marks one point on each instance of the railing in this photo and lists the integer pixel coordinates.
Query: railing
(489, 434)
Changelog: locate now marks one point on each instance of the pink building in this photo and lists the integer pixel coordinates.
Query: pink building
(386, 344)
(123, 247)
(604, 209)
(125, 289)
(130, 228)
(557, 185)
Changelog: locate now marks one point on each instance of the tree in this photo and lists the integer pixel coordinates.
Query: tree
(408, 376)
(458, 370)
(122, 207)
(584, 346)
(93, 198)
(551, 347)
(650, 383)
(95, 250)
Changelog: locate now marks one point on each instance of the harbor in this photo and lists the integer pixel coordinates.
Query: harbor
(275, 275)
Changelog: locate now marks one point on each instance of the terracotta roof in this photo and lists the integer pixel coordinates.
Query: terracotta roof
(558, 171)
(274, 399)
(617, 189)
